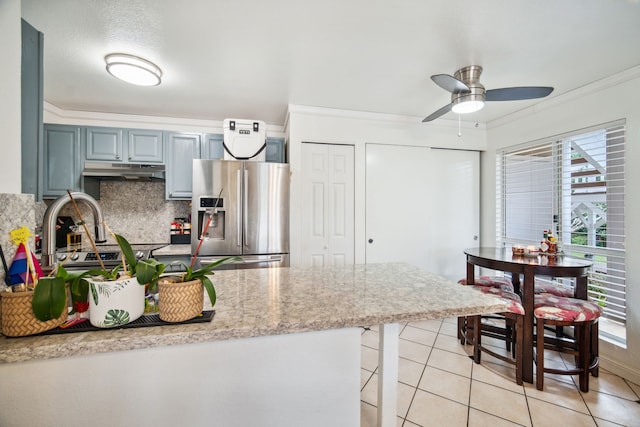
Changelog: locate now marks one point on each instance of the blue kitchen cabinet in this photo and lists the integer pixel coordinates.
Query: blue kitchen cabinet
(275, 150)
(212, 148)
(182, 148)
(32, 110)
(62, 167)
(144, 146)
(104, 144)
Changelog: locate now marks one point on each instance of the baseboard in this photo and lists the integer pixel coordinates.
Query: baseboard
(629, 374)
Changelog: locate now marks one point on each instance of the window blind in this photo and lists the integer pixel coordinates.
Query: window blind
(573, 185)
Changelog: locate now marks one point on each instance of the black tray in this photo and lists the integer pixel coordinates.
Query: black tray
(142, 322)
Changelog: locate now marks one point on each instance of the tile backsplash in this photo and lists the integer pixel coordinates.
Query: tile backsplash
(17, 210)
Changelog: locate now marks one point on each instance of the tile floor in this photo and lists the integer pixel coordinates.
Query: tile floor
(439, 385)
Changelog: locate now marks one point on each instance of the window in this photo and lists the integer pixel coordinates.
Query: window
(572, 185)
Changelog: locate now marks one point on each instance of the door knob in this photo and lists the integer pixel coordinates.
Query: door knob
(370, 240)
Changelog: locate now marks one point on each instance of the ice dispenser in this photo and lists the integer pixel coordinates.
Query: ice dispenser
(211, 207)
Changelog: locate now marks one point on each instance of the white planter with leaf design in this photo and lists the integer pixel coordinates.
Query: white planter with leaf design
(115, 303)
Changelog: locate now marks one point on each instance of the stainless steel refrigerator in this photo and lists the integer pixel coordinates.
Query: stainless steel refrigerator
(241, 208)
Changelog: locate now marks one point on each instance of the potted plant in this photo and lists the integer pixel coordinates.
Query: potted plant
(117, 295)
(50, 294)
(180, 295)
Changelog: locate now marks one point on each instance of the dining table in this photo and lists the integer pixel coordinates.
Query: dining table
(529, 266)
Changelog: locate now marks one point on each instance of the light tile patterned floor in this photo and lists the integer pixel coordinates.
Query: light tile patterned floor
(439, 385)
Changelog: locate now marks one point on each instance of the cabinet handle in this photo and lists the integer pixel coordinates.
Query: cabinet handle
(117, 157)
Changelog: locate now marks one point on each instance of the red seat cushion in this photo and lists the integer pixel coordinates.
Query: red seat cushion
(512, 299)
(552, 307)
(552, 288)
(492, 281)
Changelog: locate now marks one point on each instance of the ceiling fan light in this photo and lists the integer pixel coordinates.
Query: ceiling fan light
(133, 69)
(466, 107)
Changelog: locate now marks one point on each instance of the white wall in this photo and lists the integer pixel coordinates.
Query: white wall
(608, 100)
(11, 54)
(322, 125)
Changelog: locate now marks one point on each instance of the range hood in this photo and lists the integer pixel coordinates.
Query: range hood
(123, 171)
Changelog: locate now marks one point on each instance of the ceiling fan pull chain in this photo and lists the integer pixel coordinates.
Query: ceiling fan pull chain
(459, 126)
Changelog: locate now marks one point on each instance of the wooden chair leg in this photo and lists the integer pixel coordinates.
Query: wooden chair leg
(540, 354)
(584, 348)
(595, 348)
(517, 346)
(462, 330)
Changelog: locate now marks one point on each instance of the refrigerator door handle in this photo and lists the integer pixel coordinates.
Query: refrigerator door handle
(239, 208)
(245, 215)
(272, 258)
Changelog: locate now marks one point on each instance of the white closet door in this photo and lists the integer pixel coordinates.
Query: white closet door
(422, 206)
(328, 204)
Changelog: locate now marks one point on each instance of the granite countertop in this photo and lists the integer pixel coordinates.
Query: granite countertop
(263, 302)
(184, 249)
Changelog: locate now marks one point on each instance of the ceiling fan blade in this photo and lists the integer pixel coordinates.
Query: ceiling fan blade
(441, 112)
(450, 83)
(517, 93)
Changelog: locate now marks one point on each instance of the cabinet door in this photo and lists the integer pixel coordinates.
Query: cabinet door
(212, 148)
(104, 144)
(275, 150)
(62, 160)
(182, 148)
(31, 106)
(145, 146)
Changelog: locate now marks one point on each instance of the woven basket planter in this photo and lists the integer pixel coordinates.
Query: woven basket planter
(18, 319)
(178, 302)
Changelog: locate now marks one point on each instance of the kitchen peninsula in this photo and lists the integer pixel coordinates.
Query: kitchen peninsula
(282, 349)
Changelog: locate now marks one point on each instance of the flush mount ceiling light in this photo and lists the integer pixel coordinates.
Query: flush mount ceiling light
(467, 105)
(133, 69)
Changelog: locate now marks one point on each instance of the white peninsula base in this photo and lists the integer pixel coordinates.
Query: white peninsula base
(300, 379)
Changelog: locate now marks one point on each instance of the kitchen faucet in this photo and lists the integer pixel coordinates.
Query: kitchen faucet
(49, 226)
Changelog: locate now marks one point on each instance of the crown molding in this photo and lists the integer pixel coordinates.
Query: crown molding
(588, 89)
(376, 117)
(91, 118)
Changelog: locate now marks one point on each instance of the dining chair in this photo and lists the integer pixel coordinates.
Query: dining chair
(498, 282)
(514, 315)
(583, 316)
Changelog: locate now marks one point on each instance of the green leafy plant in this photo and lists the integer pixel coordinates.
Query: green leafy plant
(202, 273)
(147, 271)
(50, 294)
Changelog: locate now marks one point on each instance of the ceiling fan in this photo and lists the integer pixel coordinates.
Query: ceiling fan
(469, 95)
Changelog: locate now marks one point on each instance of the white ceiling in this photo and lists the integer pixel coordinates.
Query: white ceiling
(250, 58)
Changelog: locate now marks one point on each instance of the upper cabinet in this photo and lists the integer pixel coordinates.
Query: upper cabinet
(275, 150)
(182, 148)
(31, 110)
(62, 160)
(145, 146)
(212, 148)
(104, 144)
(67, 147)
(124, 145)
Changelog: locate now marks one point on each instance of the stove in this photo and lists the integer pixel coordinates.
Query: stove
(87, 259)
